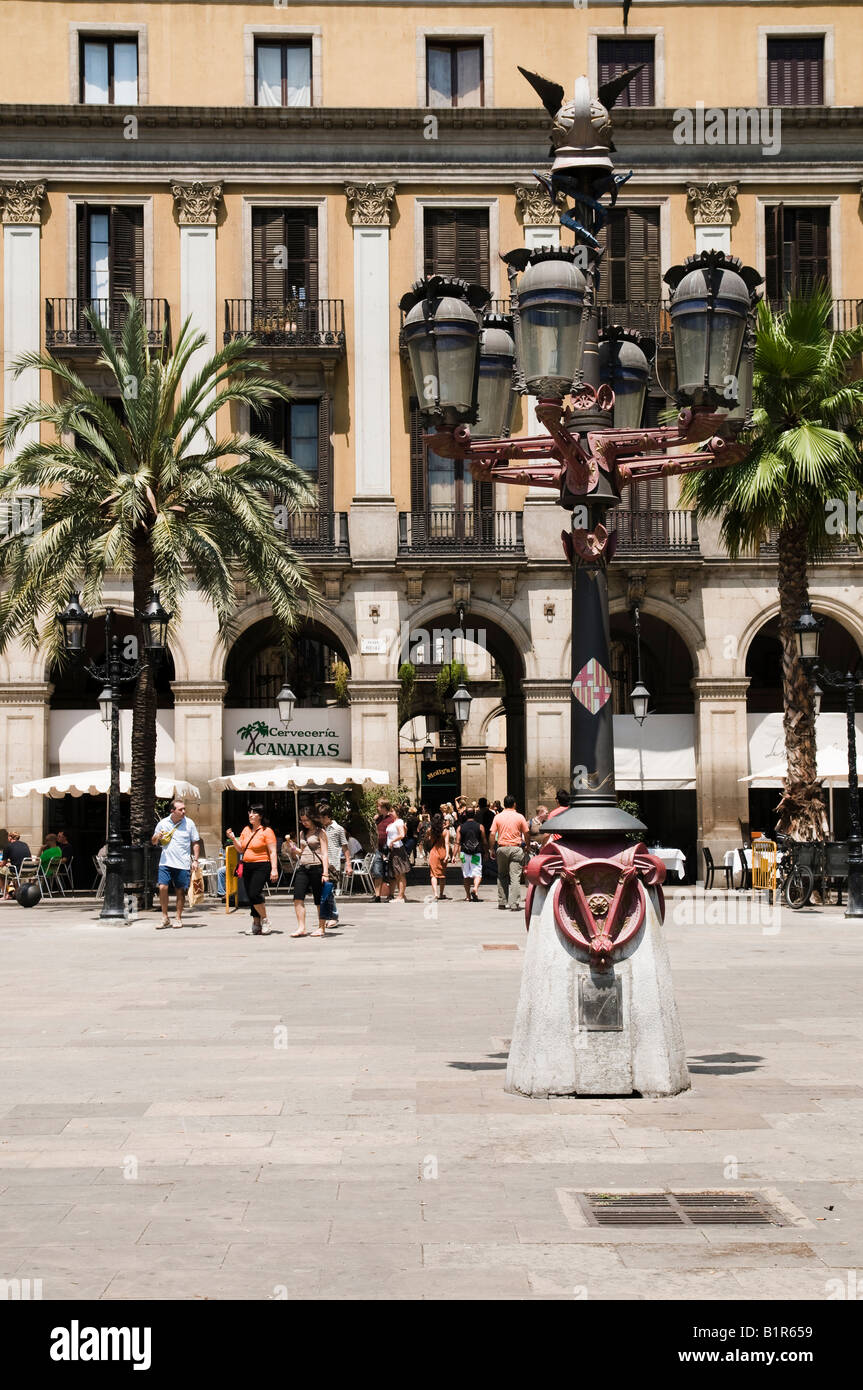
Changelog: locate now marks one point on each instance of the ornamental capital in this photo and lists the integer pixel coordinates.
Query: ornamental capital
(535, 206)
(370, 204)
(21, 203)
(196, 203)
(712, 203)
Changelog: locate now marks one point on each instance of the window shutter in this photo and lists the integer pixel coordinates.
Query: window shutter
(795, 71)
(615, 56)
(82, 251)
(456, 242)
(418, 471)
(126, 251)
(268, 234)
(325, 469)
(642, 256)
(773, 221)
(812, 248)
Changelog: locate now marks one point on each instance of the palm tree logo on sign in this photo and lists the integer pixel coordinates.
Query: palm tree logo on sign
(253, 732)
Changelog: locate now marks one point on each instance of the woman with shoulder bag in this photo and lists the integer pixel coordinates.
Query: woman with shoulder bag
(257, 847)
(399, 862)
(312, 868)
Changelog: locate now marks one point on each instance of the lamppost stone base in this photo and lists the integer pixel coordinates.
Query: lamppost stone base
(583, 1031)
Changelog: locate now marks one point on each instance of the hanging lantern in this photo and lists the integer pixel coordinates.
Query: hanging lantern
(712, 296)
(495, 395)
(73, 620)
(441, 330)
(640, 698)
(549, 319)
(154, 621)
(624, 364)
(808, 629)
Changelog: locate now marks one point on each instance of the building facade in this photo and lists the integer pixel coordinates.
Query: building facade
(288, 170)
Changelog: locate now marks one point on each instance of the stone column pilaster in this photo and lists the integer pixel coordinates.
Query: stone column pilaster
(24, 711)
(21, 213)
(722, 758)
(713, 206)
(198, 750)
(375, 726)
(197, 205)
(546, 730)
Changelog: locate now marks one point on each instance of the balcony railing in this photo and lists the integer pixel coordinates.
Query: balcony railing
(318, 323)
(654, 532)
(446, 531)
(67, 327)
(318, 533)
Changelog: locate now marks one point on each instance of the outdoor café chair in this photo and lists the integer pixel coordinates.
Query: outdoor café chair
(45, 876)
(101, 867)
(710, 870)
(28, 872)
(64, 874)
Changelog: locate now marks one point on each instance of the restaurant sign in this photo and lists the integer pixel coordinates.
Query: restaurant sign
(312, 735)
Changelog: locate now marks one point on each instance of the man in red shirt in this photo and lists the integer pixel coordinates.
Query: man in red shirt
(508, 837)
(383, 819)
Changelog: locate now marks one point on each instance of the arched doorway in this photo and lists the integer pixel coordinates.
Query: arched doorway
(464, 762)
(765, 710)
(656, 761)
(315, 665)
(78, 740)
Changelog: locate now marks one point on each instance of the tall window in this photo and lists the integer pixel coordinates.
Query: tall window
(285, 255)
(795, 71)
(293, 427)
(454, 74)
(456, 243)
(283, 73)
(110, 252)
(630, 269)
(445, 492)
(109, 71)
(615, 56)
(797, 250)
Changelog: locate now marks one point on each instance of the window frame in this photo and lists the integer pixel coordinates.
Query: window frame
(797, 31)
(283, 44)
(802, 200)
(101, 32)
(454, 46)
(616, 31)
(491, 205)
(633, 38)
(259, 200)
(480, 34)
(95, 202)
(279, 33)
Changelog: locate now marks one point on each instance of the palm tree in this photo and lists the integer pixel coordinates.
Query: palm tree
(149, 491)
(804, 452)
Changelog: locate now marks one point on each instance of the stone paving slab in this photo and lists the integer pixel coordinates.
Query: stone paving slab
(209, 1115)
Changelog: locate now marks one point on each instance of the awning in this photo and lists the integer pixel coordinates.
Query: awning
(656, 755)
(98, 783)
(297, 777)
(832, 769)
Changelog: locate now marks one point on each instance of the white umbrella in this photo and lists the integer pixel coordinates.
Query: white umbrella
(298, 777)
(98, 783)
(832, 768)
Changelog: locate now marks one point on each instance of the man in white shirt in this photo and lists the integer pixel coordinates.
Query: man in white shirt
(180, 843)
(337, 843)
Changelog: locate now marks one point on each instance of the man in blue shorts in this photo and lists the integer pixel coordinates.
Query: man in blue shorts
(180, 843)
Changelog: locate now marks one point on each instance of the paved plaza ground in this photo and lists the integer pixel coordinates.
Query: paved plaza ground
(204, 1114)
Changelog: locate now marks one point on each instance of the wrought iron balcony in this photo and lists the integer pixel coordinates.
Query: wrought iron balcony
(273, 323)
(318, 533)
(653, 533)
(451, 533)
(67, 327)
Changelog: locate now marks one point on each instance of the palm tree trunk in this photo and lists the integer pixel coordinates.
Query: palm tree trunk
(802, 813)
(143, 808)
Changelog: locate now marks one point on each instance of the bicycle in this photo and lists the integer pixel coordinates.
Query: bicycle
(795, 878)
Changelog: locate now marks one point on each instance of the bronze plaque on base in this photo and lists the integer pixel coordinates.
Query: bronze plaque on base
(600, 1003)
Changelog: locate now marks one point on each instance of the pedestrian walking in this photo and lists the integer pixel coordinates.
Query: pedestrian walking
(437, 848)
(509, 835)
(257, 847)
(383, 820)
(178, 836)
(338, 849)
(312, 867)
(471, 847)
(399, 863)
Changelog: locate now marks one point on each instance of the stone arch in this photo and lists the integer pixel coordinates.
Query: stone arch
(261, 609)
(831, 607)
(687, 630)
(489, 717)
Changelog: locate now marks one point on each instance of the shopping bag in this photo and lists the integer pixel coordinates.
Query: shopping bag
(197, 889)
(329, 911)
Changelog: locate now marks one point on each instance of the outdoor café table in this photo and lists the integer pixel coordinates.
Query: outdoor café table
(672, 859)
(733, 862)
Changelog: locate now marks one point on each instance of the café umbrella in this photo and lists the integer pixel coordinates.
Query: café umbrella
(297, 778)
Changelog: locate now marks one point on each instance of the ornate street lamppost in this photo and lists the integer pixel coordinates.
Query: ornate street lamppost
(808, 629)
(589, 883)
(640, 696)
(115, 672)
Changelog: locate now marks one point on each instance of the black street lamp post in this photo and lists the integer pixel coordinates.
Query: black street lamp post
(116, 671)
(808, 629)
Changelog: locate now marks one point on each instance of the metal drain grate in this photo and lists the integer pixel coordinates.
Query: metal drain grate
(677, 1209)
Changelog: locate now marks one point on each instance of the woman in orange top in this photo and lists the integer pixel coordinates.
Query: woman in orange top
(257, 844)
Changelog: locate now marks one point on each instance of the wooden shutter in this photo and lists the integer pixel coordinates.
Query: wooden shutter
(630, 267)
(795, 71)
(812, 248)
(615, 56)
(268, 234)
(325, 469)
(773, 222)
(418, 469)
(126, 251)
(456, 242)
(82, 251)
(295, 230)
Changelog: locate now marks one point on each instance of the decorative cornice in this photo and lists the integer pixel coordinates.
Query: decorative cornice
(196, 203)
(717, 688)
(21, 203)
(535, 207)
(546, 690)
(199, 692)
(26, 693)
(374, 692)
(712, 204)
(370, 204)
